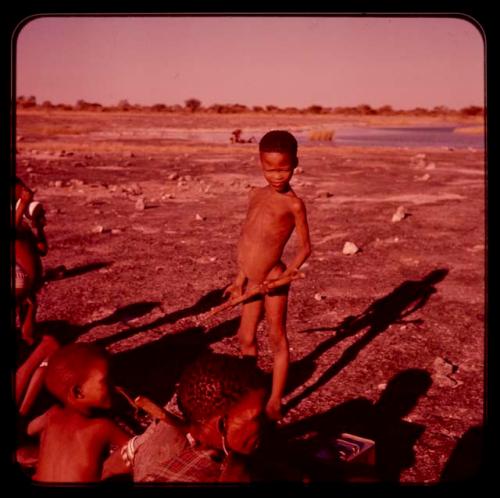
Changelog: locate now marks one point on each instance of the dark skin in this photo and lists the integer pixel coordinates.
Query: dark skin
(274, 212)
(73, 441)
(30, 246)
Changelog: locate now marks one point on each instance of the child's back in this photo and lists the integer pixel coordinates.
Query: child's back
(73, 446)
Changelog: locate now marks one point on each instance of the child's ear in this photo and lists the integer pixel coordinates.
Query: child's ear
(76, 392)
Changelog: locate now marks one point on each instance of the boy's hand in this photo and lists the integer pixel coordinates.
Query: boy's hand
(233, 291)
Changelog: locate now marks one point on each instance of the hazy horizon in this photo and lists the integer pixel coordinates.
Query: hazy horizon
(281, 61)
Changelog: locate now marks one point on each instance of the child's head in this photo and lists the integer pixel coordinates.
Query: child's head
(77, 375)
(278, 157)
(227, 395)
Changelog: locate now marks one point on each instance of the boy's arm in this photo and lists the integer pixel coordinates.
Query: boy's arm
(301, 225)
(41, 240)
(38, 424)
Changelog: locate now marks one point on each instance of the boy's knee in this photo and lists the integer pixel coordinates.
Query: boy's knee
(278, 340)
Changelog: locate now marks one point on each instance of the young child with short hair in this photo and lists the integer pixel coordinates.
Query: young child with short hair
(30, 245)
(75, 434)
(274, 212)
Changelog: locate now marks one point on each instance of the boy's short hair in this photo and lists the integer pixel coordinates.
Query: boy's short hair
(278, 141)
(70, 366)
(214, 383)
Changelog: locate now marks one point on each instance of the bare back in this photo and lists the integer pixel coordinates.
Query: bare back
(269, 224)
(73, 447)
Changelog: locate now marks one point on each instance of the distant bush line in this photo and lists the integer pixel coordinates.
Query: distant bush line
(194, 105)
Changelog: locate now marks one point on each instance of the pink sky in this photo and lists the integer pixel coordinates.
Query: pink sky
(330, 61)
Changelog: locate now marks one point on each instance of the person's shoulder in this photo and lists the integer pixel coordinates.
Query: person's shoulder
(296, 203)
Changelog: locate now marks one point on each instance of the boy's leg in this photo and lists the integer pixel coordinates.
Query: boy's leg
(275, 304)
(250, 317)
(28, 324)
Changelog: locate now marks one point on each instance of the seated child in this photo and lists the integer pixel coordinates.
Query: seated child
(30, 245)
(222, 399)
(75, 434)
(274, 212)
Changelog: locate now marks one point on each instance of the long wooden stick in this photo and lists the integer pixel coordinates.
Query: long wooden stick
(151, 408)
(257, 289)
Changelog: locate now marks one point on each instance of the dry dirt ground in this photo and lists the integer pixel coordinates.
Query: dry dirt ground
(147, 229)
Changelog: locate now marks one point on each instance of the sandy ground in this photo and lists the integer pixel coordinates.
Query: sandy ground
(147, 230)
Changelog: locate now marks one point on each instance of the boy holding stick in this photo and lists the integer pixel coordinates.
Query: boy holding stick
(274, 212)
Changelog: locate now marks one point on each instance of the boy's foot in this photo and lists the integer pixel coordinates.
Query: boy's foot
(273, 410)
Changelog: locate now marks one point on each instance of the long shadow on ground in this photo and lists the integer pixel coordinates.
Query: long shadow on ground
(404, 300)
(153, 369)
(307, 445)
(61, 272)
(205, 303)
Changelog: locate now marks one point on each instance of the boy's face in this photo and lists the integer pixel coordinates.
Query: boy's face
(277, 168)
(245, 422)
(95, 390)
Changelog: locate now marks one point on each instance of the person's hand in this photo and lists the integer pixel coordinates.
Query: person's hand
(233, 291)
(39, 220)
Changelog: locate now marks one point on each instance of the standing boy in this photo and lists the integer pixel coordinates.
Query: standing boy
(274, 212)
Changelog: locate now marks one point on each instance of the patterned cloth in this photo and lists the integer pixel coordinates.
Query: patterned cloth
(164, 454)
(191, 465)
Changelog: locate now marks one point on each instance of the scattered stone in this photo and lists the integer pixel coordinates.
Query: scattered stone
(97, 211)
(76, 183)
(128, 163)
(167, 196)
(198, 217)
(62, 153)
(299, 170)
(350, 248)
(399, 215)
(173, 176)
(382, 386)
(442, 371)
(188, 178)
(58, 183)
(140, 205)
(70, 153)
(323, 194)
(207, 188)
(79, 164)
(319, 297)
(131, 154)
(431, 166)
(99, 229)
(423, 178)
(116, 231)
(112, 188)
(20, 138)
(159, 268)
(29, 170)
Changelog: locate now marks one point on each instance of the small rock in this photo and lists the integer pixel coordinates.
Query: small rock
(423, 178)
(382, 386)
(127, 163)
(131, 154)
(212, 259)
(98, 229)
(319, 297)
(97, 211)
(140, 205)
(29, 170)
(399, 215)
(198, 217)
(167, 196)
(78, 164)
(173, 176)
(323, 194)
(58, 183)
(76, 183)
(299, 170)
(20, 138)
(431, 166)
(350, 248)
(116, 231)
(188, 178)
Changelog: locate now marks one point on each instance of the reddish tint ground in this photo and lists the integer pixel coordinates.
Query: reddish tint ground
(411, 298)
